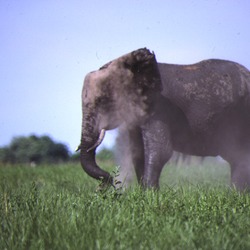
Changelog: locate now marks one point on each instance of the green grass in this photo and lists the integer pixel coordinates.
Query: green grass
(57, 207)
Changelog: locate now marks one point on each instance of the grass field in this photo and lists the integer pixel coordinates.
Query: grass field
(58, 207)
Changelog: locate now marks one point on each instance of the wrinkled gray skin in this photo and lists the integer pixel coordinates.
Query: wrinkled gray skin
(201, 109)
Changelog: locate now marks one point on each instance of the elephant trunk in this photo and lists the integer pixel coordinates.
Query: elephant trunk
(89, 142)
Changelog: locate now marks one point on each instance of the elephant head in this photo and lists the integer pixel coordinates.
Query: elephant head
(122, 91)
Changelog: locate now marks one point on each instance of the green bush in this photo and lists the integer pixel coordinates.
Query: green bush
(34, 150)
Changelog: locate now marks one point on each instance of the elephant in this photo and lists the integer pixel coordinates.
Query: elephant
(200, 109)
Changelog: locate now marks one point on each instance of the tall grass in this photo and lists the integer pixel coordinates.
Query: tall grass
(58, 208)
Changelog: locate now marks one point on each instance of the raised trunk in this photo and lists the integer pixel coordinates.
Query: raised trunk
(88, 146)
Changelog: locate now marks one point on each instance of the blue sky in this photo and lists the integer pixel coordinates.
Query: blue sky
(47, 47)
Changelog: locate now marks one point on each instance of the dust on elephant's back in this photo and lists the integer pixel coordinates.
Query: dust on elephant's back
(204, 89)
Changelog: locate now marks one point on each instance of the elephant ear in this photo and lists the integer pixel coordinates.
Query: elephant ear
(145, 85)
(144, 66)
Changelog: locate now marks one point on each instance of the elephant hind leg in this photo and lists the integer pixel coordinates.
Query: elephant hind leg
(240, 174)
(240, 168)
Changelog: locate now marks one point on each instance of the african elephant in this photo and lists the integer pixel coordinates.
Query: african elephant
(201, 109)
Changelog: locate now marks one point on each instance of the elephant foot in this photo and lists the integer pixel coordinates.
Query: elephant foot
(150, 185)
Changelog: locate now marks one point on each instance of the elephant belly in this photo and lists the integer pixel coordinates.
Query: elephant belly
(196, 144)
(189, 141)
(227, 136)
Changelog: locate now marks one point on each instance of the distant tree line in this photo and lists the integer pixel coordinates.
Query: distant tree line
(34, 150)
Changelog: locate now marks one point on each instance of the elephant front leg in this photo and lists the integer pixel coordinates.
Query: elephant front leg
(130, 153)
(137, 152)
(157, 151)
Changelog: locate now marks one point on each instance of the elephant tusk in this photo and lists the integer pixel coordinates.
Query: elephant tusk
(78, 148)
(99, 141)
